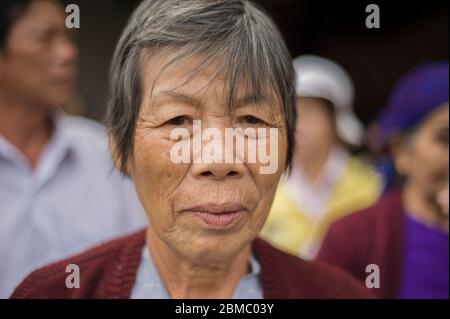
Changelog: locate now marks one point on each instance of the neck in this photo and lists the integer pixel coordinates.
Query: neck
(186, 278)
(424, 208)
(27, 128)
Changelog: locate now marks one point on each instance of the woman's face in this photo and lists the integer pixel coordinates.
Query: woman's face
(315, 134)
(203, 211)
(423, 158)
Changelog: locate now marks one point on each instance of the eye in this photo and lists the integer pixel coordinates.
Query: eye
(178, 121)
(45, 36)
(252, 120)
(442, 137)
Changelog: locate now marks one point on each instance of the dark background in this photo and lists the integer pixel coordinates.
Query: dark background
(410, 33)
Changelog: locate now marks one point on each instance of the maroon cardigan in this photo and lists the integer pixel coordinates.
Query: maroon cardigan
(109, 271)
(371, 236)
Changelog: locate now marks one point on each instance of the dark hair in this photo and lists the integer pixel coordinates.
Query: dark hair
(10, 12)
(236, 32)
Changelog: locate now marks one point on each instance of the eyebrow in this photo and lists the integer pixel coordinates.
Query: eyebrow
(253, 99)
(180, 97)
(189, 99)
(443, 129)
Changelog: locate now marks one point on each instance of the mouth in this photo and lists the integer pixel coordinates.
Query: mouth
(64, 77)
(218, 216)
(64, 81)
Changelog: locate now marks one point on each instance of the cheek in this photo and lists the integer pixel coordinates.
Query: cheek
(154, 174)
(29, 73)
(313, 130)
(267, 187)
(429, 161)
(34, 57)
(267, 183)
(270, 155)
(426, 150)
(151, 156)
(322, 129)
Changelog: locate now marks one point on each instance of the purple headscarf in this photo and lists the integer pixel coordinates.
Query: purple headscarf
(416, 94)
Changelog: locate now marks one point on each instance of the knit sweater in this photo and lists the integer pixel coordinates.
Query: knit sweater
(109, 271)
(371, 236)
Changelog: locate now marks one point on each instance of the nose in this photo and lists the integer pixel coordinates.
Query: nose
(66, 52)
(217, 171)
(228, 165)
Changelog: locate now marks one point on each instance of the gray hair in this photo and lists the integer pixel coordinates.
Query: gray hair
(235, 32)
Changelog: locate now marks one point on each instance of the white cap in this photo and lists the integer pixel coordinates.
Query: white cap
(322, 78)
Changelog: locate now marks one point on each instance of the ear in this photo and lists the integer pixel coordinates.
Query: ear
(400, 153)
(116, 158)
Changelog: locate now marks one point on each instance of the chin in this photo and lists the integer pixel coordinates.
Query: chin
(208, 249)
(48, 106)
(62, 101)
(61, 97)
(215, 254)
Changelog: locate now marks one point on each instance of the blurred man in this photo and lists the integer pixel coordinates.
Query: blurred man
(58, 190)
(326, 182)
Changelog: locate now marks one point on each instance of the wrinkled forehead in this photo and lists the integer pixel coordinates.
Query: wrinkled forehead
(168, 72)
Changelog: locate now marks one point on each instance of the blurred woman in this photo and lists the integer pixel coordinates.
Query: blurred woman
(405, 234)
(326, 181)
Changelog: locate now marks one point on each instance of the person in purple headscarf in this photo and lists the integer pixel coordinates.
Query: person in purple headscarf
(399, 247)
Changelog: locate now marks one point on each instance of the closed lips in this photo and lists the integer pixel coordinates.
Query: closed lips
(218, 215)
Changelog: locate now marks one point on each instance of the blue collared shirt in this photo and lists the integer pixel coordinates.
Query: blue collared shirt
(148, 284)
(72, 199)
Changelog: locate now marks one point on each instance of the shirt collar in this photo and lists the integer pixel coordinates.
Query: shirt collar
(150, 283)
(55, 152)
(60, 148)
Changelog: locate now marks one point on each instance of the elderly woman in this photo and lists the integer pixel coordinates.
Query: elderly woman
(222, 64)
(405, 233)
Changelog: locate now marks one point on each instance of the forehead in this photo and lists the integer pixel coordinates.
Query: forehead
(439, 118)
(41, 14)
(196, 77)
